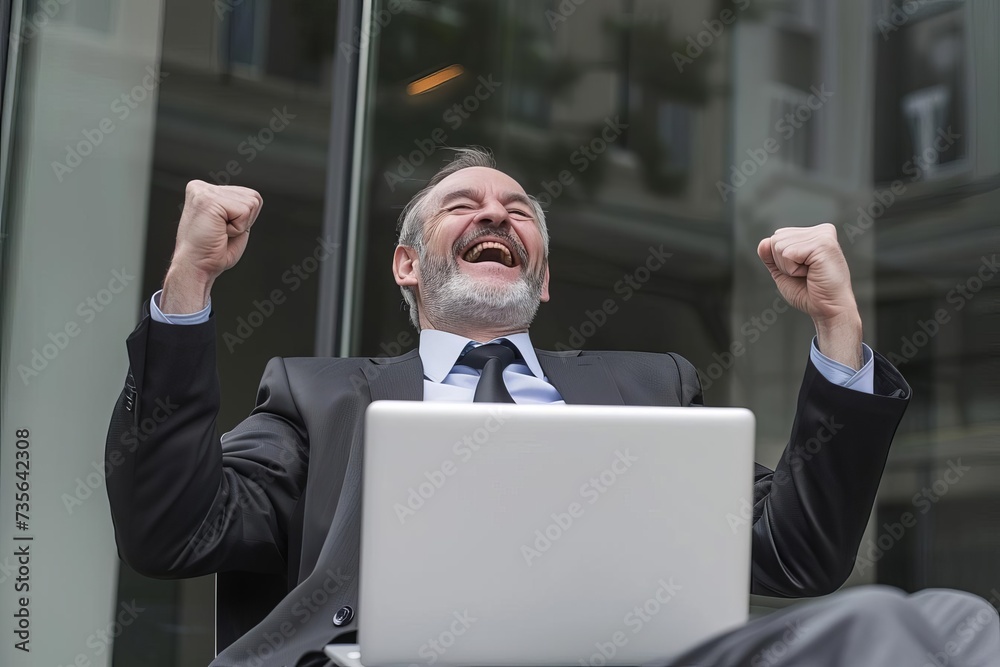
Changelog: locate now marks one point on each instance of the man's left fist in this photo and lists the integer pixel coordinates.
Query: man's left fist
(809, 268)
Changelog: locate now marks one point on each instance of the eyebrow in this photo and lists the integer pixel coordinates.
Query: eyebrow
(476, 195)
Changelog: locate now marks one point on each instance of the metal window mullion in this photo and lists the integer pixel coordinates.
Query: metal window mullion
(335, 282)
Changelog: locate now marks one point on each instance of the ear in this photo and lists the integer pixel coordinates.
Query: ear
(545, 286)
(405, 266)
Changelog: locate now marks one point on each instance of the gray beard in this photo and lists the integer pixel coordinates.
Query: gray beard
(453, 300)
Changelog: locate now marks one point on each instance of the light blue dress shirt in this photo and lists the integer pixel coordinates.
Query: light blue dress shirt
(446, 380)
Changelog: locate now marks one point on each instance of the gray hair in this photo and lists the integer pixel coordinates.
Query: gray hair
(414, 215)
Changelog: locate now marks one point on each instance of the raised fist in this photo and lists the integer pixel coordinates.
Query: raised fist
(215, 226)
(809, 268)
(211, 237)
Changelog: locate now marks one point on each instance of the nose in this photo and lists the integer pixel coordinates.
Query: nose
(492, 213)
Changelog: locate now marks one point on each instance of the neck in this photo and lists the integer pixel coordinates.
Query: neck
(480, 334)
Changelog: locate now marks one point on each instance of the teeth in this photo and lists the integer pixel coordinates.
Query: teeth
(476, 250)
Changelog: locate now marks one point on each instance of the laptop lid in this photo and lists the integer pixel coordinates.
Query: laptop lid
(551, 535)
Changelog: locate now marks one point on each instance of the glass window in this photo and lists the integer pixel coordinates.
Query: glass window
(246, 102)
(642, 127)
(664, 139)
(937, 317)
(117, 106)
(590, 113)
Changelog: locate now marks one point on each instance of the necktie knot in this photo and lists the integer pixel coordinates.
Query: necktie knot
(477, 357)
(491, 360)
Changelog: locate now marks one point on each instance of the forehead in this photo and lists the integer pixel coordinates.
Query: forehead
(480, 179)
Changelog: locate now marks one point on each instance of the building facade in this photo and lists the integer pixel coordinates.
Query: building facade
(664, 139)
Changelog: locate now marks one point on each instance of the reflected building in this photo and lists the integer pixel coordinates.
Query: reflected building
(664, 138)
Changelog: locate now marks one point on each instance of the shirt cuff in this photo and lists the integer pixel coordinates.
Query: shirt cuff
(840, 374)
(190, 318)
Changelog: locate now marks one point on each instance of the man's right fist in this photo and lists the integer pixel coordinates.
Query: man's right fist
(215, 226)
(211, 237)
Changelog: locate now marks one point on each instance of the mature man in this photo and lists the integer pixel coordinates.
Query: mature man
(274, 507)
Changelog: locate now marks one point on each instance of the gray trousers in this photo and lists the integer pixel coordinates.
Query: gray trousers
(869, 626)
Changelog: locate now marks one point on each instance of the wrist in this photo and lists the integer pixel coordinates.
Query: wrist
(840, 339)
(186, 289)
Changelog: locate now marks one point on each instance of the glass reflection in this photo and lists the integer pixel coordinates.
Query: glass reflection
(646, 127)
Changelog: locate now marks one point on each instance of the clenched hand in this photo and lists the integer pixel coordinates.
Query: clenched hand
(809, 269)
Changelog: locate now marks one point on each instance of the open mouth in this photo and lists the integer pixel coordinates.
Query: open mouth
(490, 251)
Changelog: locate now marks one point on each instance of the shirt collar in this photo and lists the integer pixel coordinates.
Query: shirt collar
(439, 350)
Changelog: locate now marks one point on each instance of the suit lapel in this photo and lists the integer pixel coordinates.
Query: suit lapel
(583, 380)
(580, 379)
(396, 378)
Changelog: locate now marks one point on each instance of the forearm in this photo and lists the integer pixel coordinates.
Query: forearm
(810, 515)
(185, 503)
(164, 460)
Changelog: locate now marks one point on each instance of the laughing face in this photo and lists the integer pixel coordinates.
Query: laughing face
(483, 261)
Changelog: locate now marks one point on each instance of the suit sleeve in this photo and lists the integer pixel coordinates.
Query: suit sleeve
(810, 512)
(185, 503)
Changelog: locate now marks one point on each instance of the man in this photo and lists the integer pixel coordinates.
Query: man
(274, 508)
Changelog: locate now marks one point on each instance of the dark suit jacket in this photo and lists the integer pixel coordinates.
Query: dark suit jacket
(274, 509)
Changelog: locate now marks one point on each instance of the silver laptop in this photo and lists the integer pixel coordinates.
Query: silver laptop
(496, 535)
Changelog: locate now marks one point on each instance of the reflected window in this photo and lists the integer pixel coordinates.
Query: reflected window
(96, 15)
(245, 33)
(675, 130)
(921, 126)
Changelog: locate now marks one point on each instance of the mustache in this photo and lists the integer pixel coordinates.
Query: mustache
(514, 242)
